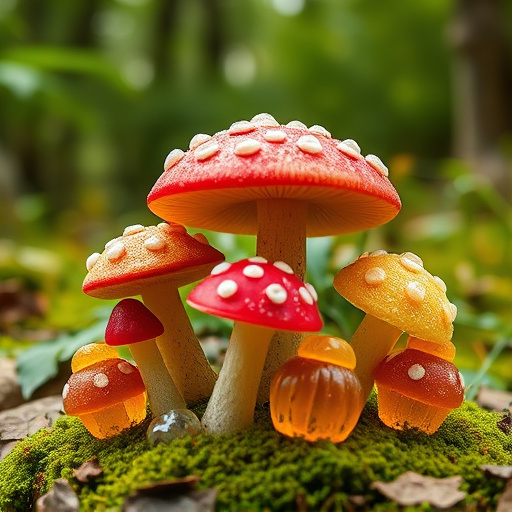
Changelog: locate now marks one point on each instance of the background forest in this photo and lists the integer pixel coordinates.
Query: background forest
(95, 93)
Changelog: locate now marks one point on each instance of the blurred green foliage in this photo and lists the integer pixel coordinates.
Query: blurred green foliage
(94, 94)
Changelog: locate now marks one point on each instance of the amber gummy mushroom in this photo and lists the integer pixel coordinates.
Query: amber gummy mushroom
(261, 297)
(108, 396)
(132, 324)
(315, 395)
(280, 182)
(416, 389)
(154, 262)
(398, 295)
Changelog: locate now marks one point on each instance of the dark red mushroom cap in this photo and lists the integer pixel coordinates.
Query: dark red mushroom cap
(101, 385)
(215, 185)
(131, 322)
(421, 376)
(261, 293)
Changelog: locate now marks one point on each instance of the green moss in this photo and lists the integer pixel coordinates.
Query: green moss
(259, 468)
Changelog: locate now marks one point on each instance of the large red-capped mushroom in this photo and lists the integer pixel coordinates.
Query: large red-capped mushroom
(132, 324)
(282, 183)
(261, 297)
(154, 262)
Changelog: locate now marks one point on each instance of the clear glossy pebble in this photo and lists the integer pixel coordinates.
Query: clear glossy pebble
(172, 425)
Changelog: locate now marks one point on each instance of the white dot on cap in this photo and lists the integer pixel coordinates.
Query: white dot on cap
(274, 136)
(65, 391)
(264, 119)
(257, 259)
(311, 289)
(247, 147)
(133, 230)
(377, 164)
(413, 257)
(375, 276)
(115, 251)
(350, 147)
(125, 368)
(154, 243)
(305, 295)
(410, 264)
(276, 293)
(241, 127)
(253, 271)
(227, 288)
(416, 372)
(453, 311)
(297, 124)
(415, 291)
(198, 139)
(281, 265)
(100, 380)
(92, 260)
(309, 144)
(173, 158)
(206, 150)
(378, 252)
(440, 283)
(221, 267)
(320, 130)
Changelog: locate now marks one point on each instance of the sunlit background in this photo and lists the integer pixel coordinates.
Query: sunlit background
(95, 93)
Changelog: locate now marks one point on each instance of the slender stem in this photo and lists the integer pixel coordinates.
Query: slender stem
(372, 342)
(281, 237)
(231, 406)
(179, 346)
(163, 394)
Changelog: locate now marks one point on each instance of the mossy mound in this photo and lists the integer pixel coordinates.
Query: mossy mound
(259, 469)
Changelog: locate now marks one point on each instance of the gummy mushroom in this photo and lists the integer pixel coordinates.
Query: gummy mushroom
(280, 182)
(132, 324)
(108, 396)
(417, 390)
(398, 295)
(154, 262)
(261, 297)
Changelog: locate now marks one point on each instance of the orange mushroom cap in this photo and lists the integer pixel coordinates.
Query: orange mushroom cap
(215, 185)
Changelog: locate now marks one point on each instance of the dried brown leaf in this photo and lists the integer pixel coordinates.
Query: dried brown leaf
(493, 399)
(88, 471)
(60, 498)
(505, 501)
(414, 489)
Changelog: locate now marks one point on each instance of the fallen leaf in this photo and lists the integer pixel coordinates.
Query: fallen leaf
(14, 428)
(172, 496)
(88, 471)
(505, 424)
(504, 472)
(505, 501)
(414, 489)
(60, 498)
(493, 399)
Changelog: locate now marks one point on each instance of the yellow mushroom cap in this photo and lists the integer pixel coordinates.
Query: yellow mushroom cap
(397, 289)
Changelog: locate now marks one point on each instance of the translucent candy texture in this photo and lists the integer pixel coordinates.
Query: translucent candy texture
(315, 400)
(170, 426)
(112, 420)
(328, 349)
(444, 350)
(90, 354)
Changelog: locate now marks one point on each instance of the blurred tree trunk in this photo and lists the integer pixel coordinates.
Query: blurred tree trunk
(166, 19)
(482, 88)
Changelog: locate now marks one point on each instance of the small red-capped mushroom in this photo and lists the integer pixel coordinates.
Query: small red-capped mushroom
(280, 182)
(261, 297)
(154, 262)
(417, 390)
(108, 396)
(132, 324)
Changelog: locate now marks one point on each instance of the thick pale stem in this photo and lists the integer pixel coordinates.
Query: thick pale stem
(179, 346)
(231, 406)
(281, 236)
(372, 342)
(163, 394)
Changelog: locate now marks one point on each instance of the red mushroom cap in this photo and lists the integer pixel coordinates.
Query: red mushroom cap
(131, 322)
(421, 376)
(101, 385)
(261, 293)
(215, 184)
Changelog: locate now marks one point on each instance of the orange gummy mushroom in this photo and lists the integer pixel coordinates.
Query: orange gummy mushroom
(417, 390)
(316, 395)
(108, 396)
(443, 350)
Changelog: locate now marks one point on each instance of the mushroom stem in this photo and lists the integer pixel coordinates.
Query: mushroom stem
(281, 236)
(231, 406)
(163, 395)
(179, 346)
(372, 342)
